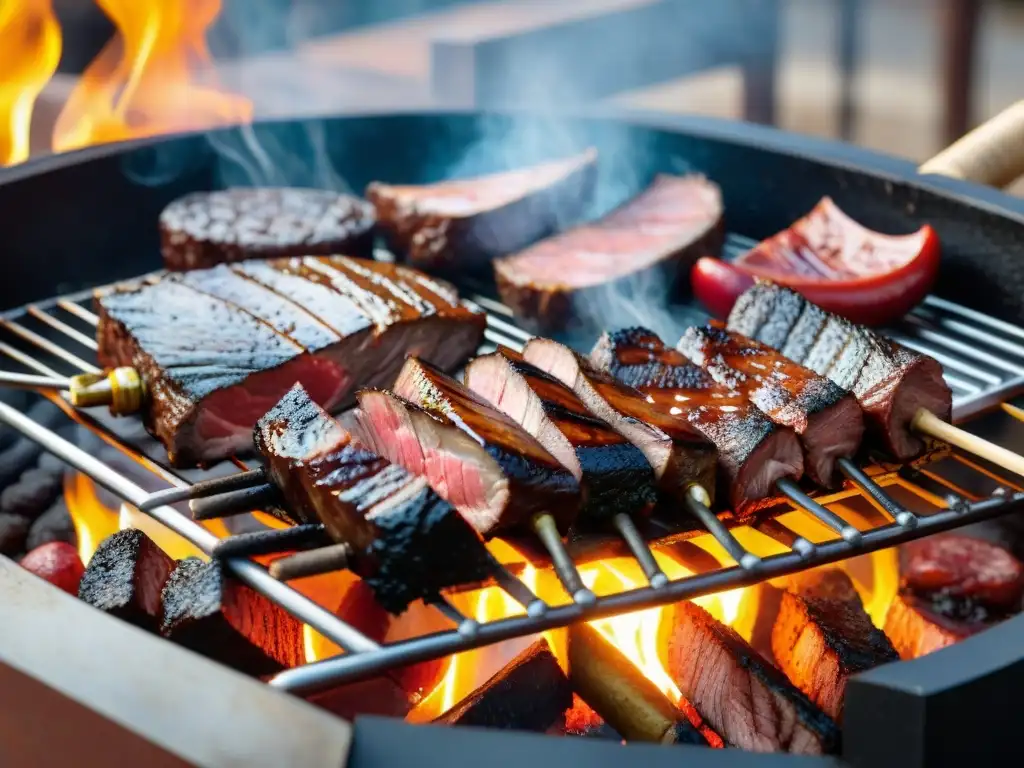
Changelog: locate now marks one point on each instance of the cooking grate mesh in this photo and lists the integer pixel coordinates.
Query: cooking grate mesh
(984, 363)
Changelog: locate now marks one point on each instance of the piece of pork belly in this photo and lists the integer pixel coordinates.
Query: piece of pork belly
(740, 694)
(614, 473)
(822, 636)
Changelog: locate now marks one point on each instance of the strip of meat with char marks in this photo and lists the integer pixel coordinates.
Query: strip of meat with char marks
(679, 453)
(823, 636)
(827, 418)
(218, 347)
(472, 454)
(614, 474)
(408, 543)
(891, 382)
(752, 452)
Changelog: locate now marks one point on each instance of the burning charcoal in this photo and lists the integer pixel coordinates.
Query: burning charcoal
(125, 578)
(530, 693)
(823, 636)
(583, 722)
(32, 495)
(53, 525)
(225, 620)
(744, 698)
(13, 532)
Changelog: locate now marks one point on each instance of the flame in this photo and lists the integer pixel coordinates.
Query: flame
(30, 47)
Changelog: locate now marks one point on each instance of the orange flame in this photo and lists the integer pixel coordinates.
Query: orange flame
(143, 82)
(30, 47)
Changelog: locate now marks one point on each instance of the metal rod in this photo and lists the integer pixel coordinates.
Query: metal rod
(858, 477)
(825, 515)
(58, 325)
(547, 531)
(517, 590)
(334, 557)
(28, 361)
(32, 381)
(73, 308)
(638, 548)
(698, 502)
(272, 540)
(234, 502)
(204, 488)
(467, 627)
(48, 346)
(776, 531)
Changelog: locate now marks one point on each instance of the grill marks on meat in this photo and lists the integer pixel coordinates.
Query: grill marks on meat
(464, 224)
(614, 474)
(474, 456)
(740, 694)
(822, 636)
(125, 577)
(890, 381)
(752, 452)
(952, 586)
(826, 417)
(219, 347)
(204, 229)
(678, 452)
(655, 236)
(408, 543)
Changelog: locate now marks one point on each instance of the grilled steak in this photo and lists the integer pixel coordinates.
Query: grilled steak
(822, 636)
(890, 381)
(204, 229)
(952, 586)
(217, 348)
(614, 474)
(655, 236)
(408, 542)
(678, 452)
(740, 694)
(125, 576)
(472, 454)
(752, 452)
(463, 224)
(826, 417)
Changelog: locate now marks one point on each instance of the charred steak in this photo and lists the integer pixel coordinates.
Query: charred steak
(752, 452)
(655, 236)
(827, 418)
(890, 381)
(678, 452)
(218, 348)
(476, 458)
(464, 224)
(613, 472)
(204, 229)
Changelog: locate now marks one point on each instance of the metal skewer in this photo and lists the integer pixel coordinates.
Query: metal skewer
(858, 477)
(547, 531)
(335, 557)
(639, 549)
(698, 502)
(825, 515)
(234, 502)
(206, 488)
(122, 389)
(273, 540)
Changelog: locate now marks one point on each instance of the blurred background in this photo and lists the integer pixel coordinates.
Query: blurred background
(901, 76)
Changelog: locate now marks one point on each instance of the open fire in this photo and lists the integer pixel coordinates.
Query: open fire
(154, 76)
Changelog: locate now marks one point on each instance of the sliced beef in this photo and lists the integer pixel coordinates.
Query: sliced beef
(655, 238)
(408, 543)
(822, 636)
(613, 472)
(679, 453)
(890, 381)
(951, 586)
(464, 224)
(204, 229)
(741, 695)
(826, 417)
(474, 456)
(752, 452)
(218, 348)
(125, 577)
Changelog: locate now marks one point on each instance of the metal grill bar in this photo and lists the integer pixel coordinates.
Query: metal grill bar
(364, 658)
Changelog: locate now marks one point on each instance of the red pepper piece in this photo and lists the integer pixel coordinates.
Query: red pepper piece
(58, 563)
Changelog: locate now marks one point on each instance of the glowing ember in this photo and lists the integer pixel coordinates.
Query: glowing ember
(30, 46)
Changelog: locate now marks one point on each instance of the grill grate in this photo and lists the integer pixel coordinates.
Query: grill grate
(983, 359)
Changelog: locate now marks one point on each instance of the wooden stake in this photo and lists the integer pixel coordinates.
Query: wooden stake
(928, 423)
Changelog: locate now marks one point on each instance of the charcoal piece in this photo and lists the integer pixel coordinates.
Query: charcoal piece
(530, 693)
(17, 458)
(125, 578)
(915, 629)
(13, 532)
(224, 620)
(52, 465)
(53, 525)
(32, 494)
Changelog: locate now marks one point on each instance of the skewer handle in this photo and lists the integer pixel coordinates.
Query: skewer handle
(122, 389)
(992, 154)
(312, 563)
(927, 423)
